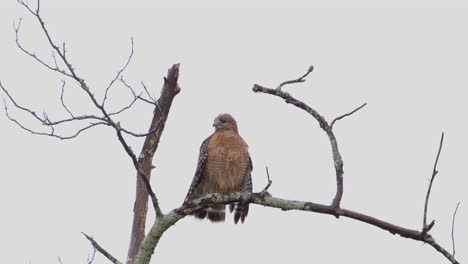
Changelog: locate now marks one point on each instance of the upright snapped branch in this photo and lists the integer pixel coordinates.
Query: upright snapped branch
(145, 159)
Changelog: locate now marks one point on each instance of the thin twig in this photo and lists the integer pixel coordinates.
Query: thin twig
(102, 250)
(140, 171)
(125, 107)
(265, 190)
(147, 92)
(426, 227)
(453, 229)
(52, 134)
(33, 55)
(298, 80)
(61, 99)
(19, 106)
(134, 93)
(90, 260)
(345, 115)
(118, 74)
(141, 134)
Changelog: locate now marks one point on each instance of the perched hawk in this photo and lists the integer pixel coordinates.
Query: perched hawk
(224, 166)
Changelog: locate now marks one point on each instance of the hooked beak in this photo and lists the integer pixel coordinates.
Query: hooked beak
(216, 123)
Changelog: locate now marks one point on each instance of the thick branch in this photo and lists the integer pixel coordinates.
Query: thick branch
(101, 250)
(163, 223)
(145, 159)
(338, 162)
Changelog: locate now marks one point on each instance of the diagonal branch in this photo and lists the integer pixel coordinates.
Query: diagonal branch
(427, 227)
(345, 115)
(33, 55)
(265, 190)
(118, 74)
(101, 250)
(298, 80)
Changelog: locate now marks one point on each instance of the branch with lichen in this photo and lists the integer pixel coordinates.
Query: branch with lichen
(167, 220)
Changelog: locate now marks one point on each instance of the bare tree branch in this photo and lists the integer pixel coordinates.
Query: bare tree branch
(147, 92)
(169, 91)
(162, 224)
(265, 190)
(33, 55)
(124, 108)
(152, 101)
(427, 227)
(91, 259)
(51, 134)
(62, 101)
(19, 106)
(298, 80)
(106, 117)
(345, 115)
(453, 229)
(118, 74)
(101, 250)
(338, 161)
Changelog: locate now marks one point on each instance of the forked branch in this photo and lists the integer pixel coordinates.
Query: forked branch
(338, 161)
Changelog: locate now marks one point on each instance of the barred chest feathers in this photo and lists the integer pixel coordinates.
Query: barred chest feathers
(227, 162)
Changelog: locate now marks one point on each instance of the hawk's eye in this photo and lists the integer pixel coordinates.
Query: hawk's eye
(223, 120)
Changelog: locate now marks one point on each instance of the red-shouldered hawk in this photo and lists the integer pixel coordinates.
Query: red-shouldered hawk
(224, 166)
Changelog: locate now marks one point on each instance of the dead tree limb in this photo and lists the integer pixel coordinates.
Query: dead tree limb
(161, 112)
(338, 161)
(164, 223)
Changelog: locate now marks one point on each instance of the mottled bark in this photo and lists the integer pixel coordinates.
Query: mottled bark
(161, 111)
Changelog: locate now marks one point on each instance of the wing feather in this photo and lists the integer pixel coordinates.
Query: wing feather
(242, 209)
(197, 178)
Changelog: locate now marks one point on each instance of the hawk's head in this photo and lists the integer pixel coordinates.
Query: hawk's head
(225, 122)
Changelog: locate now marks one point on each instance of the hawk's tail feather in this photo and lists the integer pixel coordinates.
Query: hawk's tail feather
(241, 212)
(201, 214)
(231, 207)
(217, 213)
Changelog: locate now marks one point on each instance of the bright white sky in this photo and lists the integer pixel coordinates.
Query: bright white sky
(409, 65)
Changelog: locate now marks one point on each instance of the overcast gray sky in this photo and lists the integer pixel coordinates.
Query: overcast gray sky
(407, 61)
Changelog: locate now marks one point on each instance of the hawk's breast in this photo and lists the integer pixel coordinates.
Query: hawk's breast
(227, 162)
